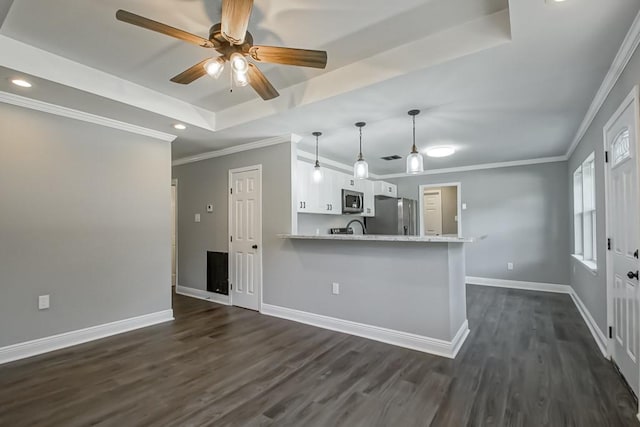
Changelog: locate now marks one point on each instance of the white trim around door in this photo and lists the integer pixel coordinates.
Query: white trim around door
(423, 187)
(256, 241)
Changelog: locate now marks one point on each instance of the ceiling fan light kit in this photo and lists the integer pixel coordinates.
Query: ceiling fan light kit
(361, 167)
(415, 161)
(214, 67)
(317, 170)
(234, 43)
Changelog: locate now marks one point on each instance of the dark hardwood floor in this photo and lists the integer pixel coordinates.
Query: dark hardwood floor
(529, 361)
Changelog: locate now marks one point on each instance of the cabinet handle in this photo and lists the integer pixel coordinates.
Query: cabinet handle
(331, 207)
(301, 206)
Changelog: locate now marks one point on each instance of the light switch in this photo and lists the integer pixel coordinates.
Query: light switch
(197, 218)
(336, 288)
(464, 206)
(510, 266)
(43, 302)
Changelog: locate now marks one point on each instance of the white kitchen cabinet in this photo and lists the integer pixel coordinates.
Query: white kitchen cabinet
(381, 188)
(320, 198)
(307, 197)
(326, 197)
(369, 205)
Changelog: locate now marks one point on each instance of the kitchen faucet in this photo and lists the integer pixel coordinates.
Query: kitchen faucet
(364, 229)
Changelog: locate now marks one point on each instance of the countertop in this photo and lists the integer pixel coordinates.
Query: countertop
(376, 238)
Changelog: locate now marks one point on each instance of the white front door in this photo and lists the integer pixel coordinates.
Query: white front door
(432, 213)
(245, 235)
(622, 218)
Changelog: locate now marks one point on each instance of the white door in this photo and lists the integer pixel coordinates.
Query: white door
(173, 233)
(620, 137)
(432, 213)
(245, 247)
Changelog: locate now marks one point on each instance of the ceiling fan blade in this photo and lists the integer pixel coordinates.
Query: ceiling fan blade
(149, 24)
(235, 19)
(260, 84)
(289, 56)
(191, 74)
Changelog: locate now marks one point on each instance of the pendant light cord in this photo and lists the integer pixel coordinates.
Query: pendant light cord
(360, 155)
(414, 149)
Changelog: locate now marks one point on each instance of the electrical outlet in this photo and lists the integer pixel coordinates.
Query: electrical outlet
(43, 302)
(509, 266)
(197, 218)
(336, 288)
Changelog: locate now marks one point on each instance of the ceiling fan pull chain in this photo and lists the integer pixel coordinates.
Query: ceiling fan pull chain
(230, 81)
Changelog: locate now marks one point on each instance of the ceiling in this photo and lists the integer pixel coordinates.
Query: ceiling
(498, 81)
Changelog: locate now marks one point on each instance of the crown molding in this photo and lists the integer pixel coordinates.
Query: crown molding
(480, 167)
(626, 51)
(45, 107)
(235, 149)
(328, 162)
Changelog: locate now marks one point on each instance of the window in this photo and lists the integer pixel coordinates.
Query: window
(584, 213)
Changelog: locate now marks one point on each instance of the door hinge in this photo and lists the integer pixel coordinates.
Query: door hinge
(231, 238)
(231, 286)
(606, 157)
(635, 254)
(231, 191)
(609, 244)
(610, 332)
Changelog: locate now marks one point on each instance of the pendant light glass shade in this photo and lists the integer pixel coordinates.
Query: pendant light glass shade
(415, 161)
(360, 167)
(318, 175)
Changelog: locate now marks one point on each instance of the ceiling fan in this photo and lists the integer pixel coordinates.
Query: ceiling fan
(234, 43)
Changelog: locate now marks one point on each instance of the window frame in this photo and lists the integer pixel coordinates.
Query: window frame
(585, 247)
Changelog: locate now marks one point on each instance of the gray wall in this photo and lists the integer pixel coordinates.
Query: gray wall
(299, 274)
(516, 214)
(592, 288)
(85, 218)
(207, 182)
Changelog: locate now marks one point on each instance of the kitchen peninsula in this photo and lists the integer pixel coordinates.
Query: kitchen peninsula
(404, 290)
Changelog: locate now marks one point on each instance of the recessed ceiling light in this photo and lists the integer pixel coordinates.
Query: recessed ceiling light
(179, 126)
(21, 83)
(440, 151)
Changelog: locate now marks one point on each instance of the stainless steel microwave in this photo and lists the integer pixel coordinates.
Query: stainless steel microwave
(352, 202)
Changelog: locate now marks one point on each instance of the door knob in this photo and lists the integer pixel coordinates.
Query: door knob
(632, 275)
(255, 246)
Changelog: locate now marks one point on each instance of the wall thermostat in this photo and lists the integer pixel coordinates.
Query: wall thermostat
(209, 208)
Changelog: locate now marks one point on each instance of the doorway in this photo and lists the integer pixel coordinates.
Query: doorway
(245, 237)
(621, 177)
(440, 206)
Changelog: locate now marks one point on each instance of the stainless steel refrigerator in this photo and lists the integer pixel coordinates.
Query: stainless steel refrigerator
(394, 216)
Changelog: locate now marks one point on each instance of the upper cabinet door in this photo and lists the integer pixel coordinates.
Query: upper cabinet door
(369, 205)
(307, 192)
(387, 189)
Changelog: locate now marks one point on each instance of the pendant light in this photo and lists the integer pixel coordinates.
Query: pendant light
(415, 161)
(317, 171)
(360, 167)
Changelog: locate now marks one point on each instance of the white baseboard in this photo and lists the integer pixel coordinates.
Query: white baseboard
(598, 336)
(402, 339)
(205, 295)
(459, 338)
(517, 284)
(68, 339)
